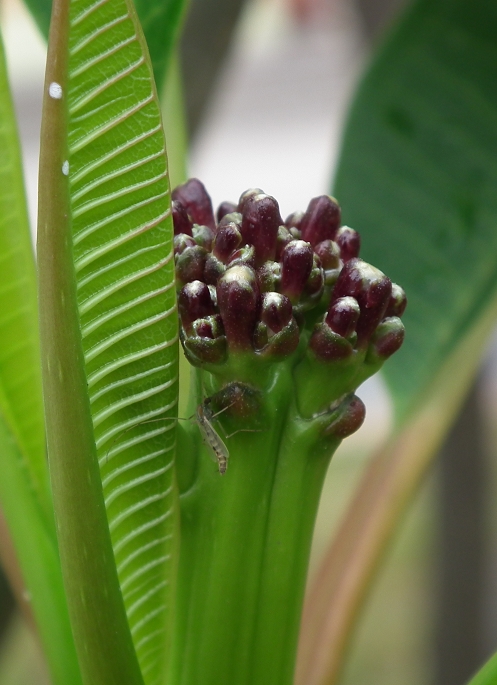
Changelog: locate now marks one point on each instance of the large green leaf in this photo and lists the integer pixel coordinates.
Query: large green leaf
(418, 178)
(109, 328)
(24, 493)
(160, 20)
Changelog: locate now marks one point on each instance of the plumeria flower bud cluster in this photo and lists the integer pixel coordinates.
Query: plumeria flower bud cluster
(251, 283)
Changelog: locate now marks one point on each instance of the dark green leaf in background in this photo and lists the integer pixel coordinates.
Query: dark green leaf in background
(418, 178)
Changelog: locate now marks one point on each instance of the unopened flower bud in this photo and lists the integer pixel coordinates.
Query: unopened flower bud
(372, 290)
(350, 415)
(203, 236)
(343, 315)
(276, 311)
(296, 266)
(349, 242)
(269, 277)
(209, 327)
(244, 255)
(182, 241)
(225, 208)
(228, 239)
(329, 254)
(194, 197)
(207, 343)
(238, 302)
(387, 338)
(282, 239)
(247, 195)
(190, 265)
(293, 222)
(194, 302)
(329, 346)
(260, 223)
(321, 220)
(398, 302)
(314, 285)
(213, 270)
(181, 221)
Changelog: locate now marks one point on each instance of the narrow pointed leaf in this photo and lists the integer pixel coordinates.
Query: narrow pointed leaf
(110, 331)
(160, 20)
(24, 492)
(20, 380)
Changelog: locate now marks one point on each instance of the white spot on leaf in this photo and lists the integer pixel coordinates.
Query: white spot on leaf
(55, 91)
(65, 168)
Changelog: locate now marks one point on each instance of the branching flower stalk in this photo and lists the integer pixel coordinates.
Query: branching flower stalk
(282, 321)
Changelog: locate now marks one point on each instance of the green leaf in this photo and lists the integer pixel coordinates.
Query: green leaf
(487, 675)
(41, 11)
(160, 20)
(24, 493)
(20, 379)
(109, 328)
(418, 175)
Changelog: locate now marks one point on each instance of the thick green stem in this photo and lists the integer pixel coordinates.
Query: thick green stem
(245, 547)
(303, 460)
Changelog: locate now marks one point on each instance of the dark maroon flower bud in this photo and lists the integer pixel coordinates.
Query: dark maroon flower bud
(203, 236)
(315, 284)
(251, 192)
(387, 338)
(329, 254)
(194, 302)
(209, 327)
(260, 222)
(269, 277)
(194, 197)
(225, 208)
(181, 221)
(349, 417)
(190, 265)
(294, 220)
(398, 302)
(244, 255)
(276, 311)
(213, 270)
(343, 316)
(283, 237)
(349, 242)
(329, 346)
(321, 220)
(372, 290)
(296, 267)
(228, 239)
(238, 301)
(182, 241)
(208, 344)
